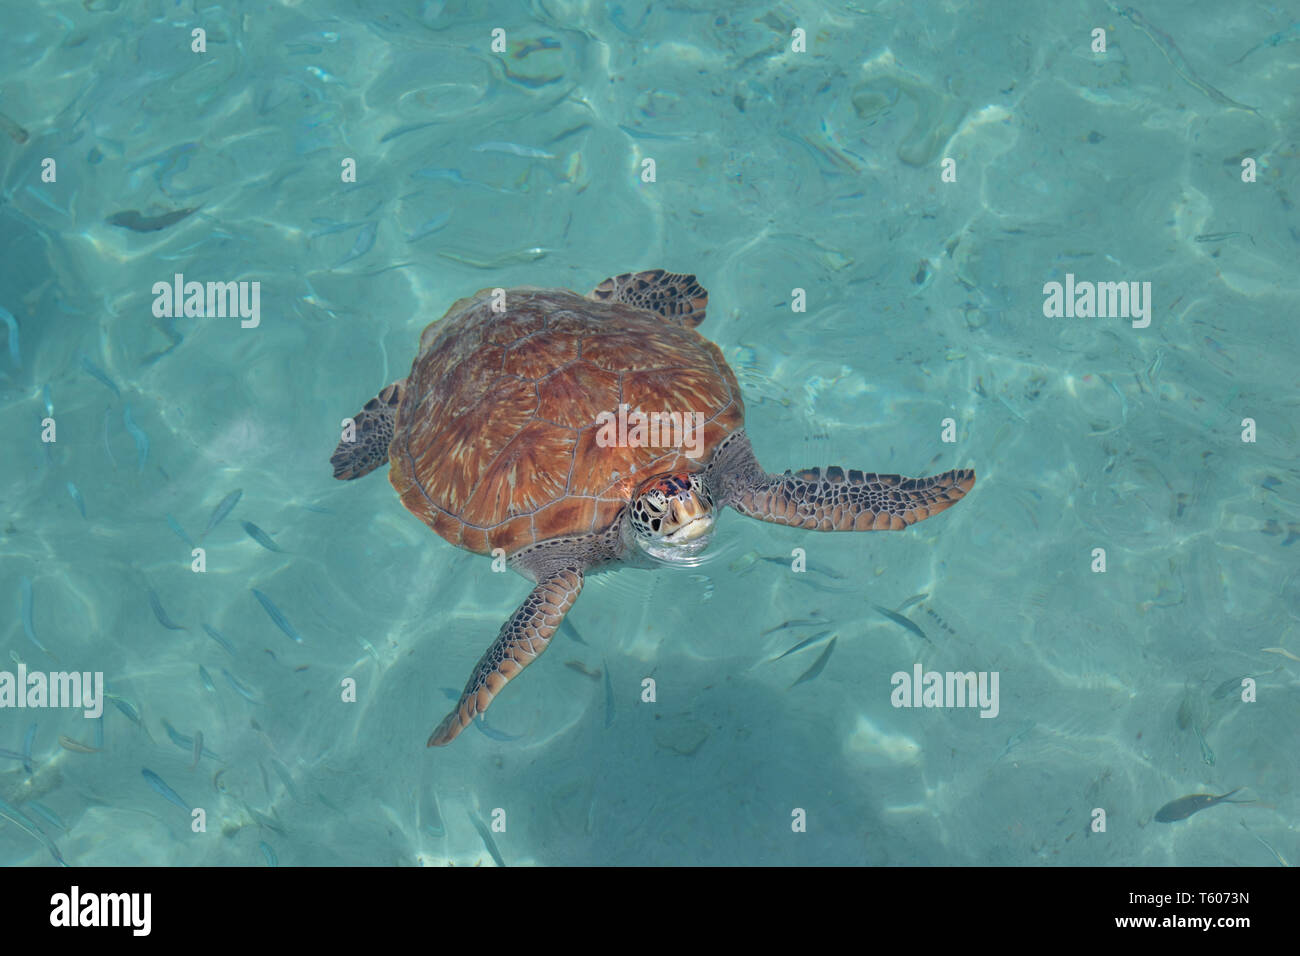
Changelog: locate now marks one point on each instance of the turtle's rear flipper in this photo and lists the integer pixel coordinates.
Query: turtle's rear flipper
(522, 639)
(678, 298)
(370, 434)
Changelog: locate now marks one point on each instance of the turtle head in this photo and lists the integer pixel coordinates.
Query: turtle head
(672, 516)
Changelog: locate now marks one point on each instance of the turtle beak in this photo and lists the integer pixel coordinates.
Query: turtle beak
(692, 518)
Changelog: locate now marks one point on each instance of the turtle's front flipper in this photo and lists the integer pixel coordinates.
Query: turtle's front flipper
(374, 432)
(836, 500)
(852, 500)
(521, 640)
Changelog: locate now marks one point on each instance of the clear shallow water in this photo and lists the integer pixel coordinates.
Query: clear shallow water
(775, 171)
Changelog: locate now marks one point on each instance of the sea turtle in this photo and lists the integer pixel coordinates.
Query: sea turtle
(526, 430)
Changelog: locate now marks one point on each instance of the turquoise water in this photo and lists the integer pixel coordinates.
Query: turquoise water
(774, 170)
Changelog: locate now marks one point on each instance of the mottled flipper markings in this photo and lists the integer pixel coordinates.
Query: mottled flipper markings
(678, 298)
(374, 433)
(852, 500)
(521, 640)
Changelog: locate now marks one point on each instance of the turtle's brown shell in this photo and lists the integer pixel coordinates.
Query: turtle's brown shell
(495, 441)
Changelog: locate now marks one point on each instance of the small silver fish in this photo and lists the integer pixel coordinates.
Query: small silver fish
(277, 616)
(240, 689)
(270, 822)
(131, 219)
(403, 130)
(491, 733)
(1290, 35)
(53, 818)
(1222, 236)
(514, 149)
(1184, 807)
(572, 631)
(368, 648)
(128, 708)
(76, 746)
(332, 227)
(513, 257)
(609, 695)
(271, 858)
(286, 778)
(161, 614)
(99, 375)
(108, 446)
(29, 739)
(29, 627)
(430, 227)
(179, 739)
(914, 599)
(226, 506)
(137, 435)
(206, 680)
(785, 563)
(1277, 856)
(198, 749)
(1207, 754)
(818, 665)
(15, 352)
(801, 645)
(805, 622)
(40, 196)
(1016, 738)
(637, 133)
(261, 537)
(582, 669)
(430, 811)
(488, 842)
(481, 724)
(220, 639)
(19, 819)
(13, 130)
(365, 239)
(902, 621)
(453, 175)
(186, 742)
(178, 530)
(1228, 687)
(77, 499)
(48, 400)
(161, 787)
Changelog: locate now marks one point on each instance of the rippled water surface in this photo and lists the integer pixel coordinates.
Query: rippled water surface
(875, 196)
